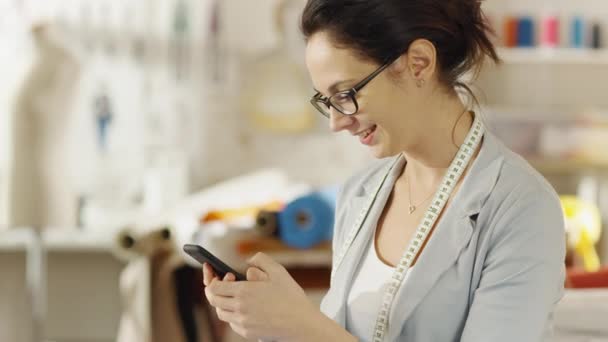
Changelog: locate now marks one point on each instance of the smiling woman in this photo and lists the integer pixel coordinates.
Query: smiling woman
(449, 38)
(469, 267)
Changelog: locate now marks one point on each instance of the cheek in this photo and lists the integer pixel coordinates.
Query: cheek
(382, 114)
(381, 105)
(372, 108)
(385, 135)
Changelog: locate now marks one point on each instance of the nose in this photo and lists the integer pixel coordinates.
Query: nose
(339, 121)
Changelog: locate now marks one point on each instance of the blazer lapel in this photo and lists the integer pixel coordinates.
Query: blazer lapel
(451, 235)
(343, 275)
(345, 272)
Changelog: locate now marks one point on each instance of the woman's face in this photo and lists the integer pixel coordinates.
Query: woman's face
(387, 117)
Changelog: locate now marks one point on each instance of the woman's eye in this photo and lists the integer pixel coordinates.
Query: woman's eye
(341, 98)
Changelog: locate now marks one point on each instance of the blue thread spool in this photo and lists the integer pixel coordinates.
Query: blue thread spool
(525, 32)
(578, 33)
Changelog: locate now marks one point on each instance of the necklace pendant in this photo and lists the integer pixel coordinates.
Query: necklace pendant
(412, 208)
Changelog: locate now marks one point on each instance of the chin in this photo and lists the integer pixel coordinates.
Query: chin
(380, 152)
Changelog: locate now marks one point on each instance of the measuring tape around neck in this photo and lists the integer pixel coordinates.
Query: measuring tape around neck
(451, 178)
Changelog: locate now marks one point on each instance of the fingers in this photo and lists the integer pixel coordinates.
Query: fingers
(265, 263)
(239, 330)
(208, 274)
(229, 277)
(256, 274)
(226, 316)
(225, 288)
(228, 304)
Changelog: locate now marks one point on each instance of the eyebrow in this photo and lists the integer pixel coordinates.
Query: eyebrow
(334, 87)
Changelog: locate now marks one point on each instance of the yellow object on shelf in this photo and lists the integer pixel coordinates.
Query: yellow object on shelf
(583, 226)
(233, 213)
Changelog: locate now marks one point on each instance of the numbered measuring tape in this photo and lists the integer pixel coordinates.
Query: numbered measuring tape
(451, 178)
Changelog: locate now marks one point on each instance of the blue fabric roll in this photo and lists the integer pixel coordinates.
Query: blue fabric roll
(308, 220)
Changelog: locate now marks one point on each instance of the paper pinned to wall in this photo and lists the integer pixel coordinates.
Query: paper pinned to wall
(276, 87)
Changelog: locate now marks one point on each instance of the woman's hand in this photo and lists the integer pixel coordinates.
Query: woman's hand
(270, 305)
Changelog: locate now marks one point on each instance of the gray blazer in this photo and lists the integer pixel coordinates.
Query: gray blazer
(493, 269)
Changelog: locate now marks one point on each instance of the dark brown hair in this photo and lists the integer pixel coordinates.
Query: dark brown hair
(380, 30)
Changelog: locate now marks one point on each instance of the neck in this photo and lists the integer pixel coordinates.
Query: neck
(429, 158)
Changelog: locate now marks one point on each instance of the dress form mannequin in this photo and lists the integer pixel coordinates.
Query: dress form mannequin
(40, 191)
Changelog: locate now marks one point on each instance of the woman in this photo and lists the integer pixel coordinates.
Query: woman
(448, 236)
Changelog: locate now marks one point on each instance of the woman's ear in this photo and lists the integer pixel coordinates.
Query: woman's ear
(421, 60)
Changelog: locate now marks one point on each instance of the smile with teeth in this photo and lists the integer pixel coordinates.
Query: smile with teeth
(367, 132)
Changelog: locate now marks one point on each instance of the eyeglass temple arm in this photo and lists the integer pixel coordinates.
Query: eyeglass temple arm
(366, 80)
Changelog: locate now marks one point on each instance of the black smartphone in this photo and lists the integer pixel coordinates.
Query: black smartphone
(204, 256)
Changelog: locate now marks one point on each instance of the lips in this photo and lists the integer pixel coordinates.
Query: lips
(366, 137)
(365, 133)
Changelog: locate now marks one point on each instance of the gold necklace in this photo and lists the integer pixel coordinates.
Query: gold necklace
(409, 193)
(409, 187)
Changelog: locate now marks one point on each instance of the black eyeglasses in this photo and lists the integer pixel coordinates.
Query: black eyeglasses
(344, 101)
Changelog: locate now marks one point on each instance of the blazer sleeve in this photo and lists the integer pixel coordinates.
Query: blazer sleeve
(523, 273)
(336, 240)
(339, 215)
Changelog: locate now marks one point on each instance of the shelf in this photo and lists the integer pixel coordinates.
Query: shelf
(305, 258)
(317, 256)
(57, 240)
(17, 239)
(561, 56)
(566, 166)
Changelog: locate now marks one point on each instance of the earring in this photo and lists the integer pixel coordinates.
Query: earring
(420, 83)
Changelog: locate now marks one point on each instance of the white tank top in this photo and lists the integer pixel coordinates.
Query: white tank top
(366, 293)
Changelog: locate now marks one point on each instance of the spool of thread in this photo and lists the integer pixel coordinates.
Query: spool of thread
(306, 221)
(267, 223)
(596, 36)
(577, 36)
(550, 32)
(525, 32)
(510, 32)
(129, 242)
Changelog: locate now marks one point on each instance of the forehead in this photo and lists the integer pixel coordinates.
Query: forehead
(328, 64)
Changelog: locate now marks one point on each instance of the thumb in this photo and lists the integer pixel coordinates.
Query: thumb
(265, 263)
(255, 274)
